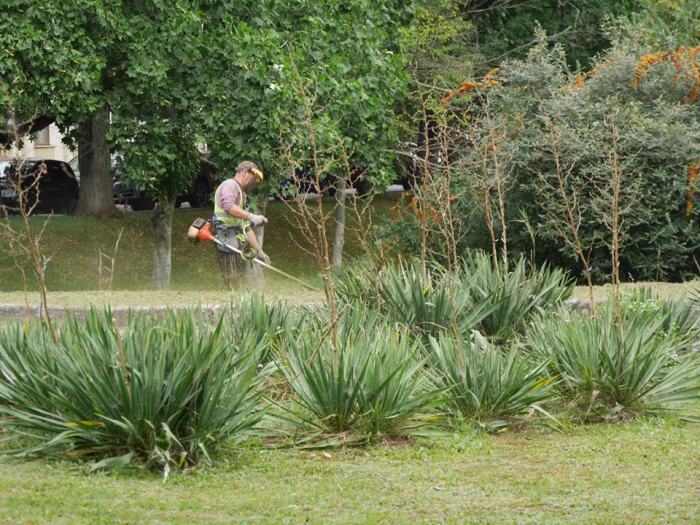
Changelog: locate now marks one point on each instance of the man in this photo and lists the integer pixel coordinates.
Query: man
(233, 222)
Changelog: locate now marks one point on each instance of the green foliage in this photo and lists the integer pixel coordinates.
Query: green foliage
(449, 41)
(160, 65)
(147, 61)
(168, 392)
(656, 124)
(675, 20)
(617, 367)
(514, 293)
(425, 303)
(483, 385)
(436, 43)
(180, 72)
(372, 382)
(172, 391)
(475, 296)
(402, 234)
(53, 51)
(267, 322)
(680, 316)
(505, 31)
(342, 54)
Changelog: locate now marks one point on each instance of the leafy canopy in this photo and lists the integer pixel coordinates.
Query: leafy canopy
(185, 71)
(343, 53)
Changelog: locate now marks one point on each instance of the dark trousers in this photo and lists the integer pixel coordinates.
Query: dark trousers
(232, 267)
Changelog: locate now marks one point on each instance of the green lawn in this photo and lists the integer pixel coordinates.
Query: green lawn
(75, 275)
(663, 290)
(74, 245)
(639, 472)
(276, 288)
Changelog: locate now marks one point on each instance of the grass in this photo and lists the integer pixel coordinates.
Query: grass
(137, 298)
(636, 472)
(663, 290)
(74, 244)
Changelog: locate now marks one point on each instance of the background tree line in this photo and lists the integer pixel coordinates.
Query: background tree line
(151, 80)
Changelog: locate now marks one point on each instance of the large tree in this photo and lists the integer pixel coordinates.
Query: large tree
(346, 55)
(55, 69)
(166, 85)
(131, 77)
(150, 79)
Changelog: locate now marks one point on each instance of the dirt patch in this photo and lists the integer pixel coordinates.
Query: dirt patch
(119, 315)
(145, 298)
(15, 305)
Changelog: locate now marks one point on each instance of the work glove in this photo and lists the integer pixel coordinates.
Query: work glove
(256, 220)
(262, 256)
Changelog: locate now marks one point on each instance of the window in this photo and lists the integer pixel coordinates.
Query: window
(41, 137)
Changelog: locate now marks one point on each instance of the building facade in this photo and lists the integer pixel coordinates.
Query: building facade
(46, 145)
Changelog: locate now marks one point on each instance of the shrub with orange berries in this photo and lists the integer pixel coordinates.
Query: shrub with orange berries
(652, 96)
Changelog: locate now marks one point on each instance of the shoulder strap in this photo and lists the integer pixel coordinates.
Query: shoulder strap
(241, 195)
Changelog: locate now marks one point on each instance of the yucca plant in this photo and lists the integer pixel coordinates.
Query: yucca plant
(680, 315)
(370, 381)
(425, 303)
(268, 321)
(606, 367)
(515, 292)
(160, 391)
(359, 283)
(485, 386)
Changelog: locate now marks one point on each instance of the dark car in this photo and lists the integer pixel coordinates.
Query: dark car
(50, 186)
(304, 183)
(198, 194)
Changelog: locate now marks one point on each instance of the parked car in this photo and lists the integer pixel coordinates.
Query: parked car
(50, 186)
(75, 166)
(305, 183)
(197, 195)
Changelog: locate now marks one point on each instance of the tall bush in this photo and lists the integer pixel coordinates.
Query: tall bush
(651, 97)
(476, 295)
(426, 303)
(513, 292)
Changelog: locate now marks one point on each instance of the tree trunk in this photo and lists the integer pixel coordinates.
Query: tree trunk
(255, 276)
(162, 256)
(94, 163)
(339, 236)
